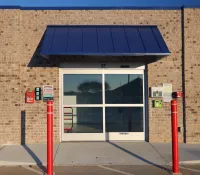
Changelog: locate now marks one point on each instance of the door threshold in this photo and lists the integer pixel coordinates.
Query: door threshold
(86, 141)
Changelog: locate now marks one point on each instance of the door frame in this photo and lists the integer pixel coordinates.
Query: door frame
(105, 135)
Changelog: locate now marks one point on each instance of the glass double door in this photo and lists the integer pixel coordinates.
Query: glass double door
(102, 104)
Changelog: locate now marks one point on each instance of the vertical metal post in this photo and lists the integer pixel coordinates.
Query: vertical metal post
(174, 122)
(50, 137)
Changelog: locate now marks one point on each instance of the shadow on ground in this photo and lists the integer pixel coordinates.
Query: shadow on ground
(23, 142)
(139, 157)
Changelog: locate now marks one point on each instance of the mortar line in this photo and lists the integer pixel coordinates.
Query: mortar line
(114, 170)
(158, 153)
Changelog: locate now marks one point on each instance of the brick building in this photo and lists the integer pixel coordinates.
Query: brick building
(109, 92)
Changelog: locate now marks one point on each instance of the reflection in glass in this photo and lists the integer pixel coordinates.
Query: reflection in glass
(124, 119)
(82, 89)
(83, 120)
(124, 89)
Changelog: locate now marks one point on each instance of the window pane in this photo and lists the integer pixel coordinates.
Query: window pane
(124, 119)
(82, 89)
(85, 120)
(124, 89)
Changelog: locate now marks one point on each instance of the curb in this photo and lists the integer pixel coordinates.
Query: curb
(188, 162)
(9, 163)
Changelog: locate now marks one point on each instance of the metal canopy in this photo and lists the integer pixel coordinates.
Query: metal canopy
(104, 40)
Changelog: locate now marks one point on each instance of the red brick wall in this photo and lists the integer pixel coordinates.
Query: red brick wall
(23, 68)
(192, 74)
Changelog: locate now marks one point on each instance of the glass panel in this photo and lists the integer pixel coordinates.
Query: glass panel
(124, 89)
(82, 89)
(83, 120)
(124, 119)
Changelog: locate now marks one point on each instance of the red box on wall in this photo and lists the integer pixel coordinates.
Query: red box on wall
(178, 94)
(30, 96)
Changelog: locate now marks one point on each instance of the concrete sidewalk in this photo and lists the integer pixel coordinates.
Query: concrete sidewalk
(99, 153)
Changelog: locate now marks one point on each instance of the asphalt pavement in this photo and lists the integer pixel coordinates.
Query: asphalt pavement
(100, 170)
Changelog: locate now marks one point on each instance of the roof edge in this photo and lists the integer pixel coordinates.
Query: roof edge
(10, 7)
(104, 7)
(100, 25)
(106, 54)
(95, 8)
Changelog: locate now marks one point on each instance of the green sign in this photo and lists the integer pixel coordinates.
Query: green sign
(157, 103)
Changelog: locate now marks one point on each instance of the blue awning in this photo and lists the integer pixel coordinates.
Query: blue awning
(104, 40)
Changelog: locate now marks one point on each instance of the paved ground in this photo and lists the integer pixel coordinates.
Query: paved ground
(1, 147)
(24, 155)
(187, 152)
(118, 153)
(98, 153)
(101, 170)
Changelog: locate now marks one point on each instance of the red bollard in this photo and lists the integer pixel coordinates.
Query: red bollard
(175, 156)
(49, 137)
